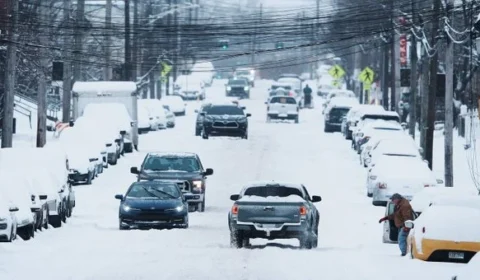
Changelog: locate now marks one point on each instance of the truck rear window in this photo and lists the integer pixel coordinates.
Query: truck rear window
(283, 100)
(273, 191)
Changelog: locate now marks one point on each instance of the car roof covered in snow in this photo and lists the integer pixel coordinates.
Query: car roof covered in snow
(343, 102)
(102, 86)
(442, 195)
(380, 123)
(368, 115)
(171, 154)
(272, 183)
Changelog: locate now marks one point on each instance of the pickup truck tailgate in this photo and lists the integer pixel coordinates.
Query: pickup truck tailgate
(268, 212)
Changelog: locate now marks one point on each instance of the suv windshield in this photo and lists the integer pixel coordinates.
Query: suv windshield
(283, 100)
(224, 110)
(240, 82)
(170, 163)
(273, 191)
(158, 190)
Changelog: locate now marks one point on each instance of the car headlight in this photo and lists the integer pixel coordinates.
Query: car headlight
(197, 184)
(229, 88)
(242, 120)
(180, 208)
(127, 208)
(246, 88)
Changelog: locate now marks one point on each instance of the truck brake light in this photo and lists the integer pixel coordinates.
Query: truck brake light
(235, 209)
(303, 210)
(381, 185)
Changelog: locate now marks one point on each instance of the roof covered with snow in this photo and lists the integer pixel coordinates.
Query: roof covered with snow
(102, 86)
(254, 198)
(171, 154)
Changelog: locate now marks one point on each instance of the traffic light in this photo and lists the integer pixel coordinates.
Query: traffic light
(279, 45)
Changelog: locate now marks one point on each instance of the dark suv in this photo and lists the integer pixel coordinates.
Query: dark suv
(185, 169)
(225, 120)
(334, 118)
(238, 87)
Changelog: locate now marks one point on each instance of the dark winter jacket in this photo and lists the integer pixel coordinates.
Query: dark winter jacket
(307, 91)
(403, 212)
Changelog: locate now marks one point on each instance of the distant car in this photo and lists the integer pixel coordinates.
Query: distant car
(336, 111)
(283, 108)
(183, 167)
(191, 87)
(247, 73)
(170, 116)
(176, 103)
(354, 115)
(287, 75)
(274, 210)
(225, 120)
(286, 88)
(238, 87)
(152, 204)
(8, 221)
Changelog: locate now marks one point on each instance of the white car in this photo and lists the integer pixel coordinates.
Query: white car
(376, 138)
(146, 121)
(368, 118)
(190, 87)
(20, 197)
(404, 175)
(387, 129)
(158, 116)
(283, 108)
(8, 220)
(337, 93)
(394, 147)
(470, 271)
(115, 115)
(445, 233)
(247, 73)
(176, 104)
(170, 116)
(354, 115)
(81, 160)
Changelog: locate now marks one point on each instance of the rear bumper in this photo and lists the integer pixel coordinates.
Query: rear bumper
(279, 231)
(193, 198)
(289, 116)
(217, 131)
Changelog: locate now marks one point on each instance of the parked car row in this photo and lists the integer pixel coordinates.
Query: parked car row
(35, 192)
(395, 165)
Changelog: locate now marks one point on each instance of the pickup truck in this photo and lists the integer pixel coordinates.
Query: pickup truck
(272, 210)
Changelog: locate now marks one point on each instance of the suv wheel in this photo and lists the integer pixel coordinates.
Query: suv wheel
(198, 131)
(297, 120)
(204, 134)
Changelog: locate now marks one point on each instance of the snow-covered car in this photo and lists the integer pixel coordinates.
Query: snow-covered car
(296, 84)
(8, 220)
(170, 116)
(247, 73)
(470, 271)
(367, 119)
(13, 190)
(375, 138)
(405, 175)
(156, 111)
(190, 87)
(146, 121)
(176, 104)
(324, 88)
(283, 108)
(205, 70)
(81, 160)
(445, 233)
(337, 93)
(115, 115)
(393, 147)
(387, 129)
(354, 115)
(276, 87)
(336, 110)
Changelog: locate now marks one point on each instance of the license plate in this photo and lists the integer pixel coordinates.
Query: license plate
(269, 226)
(282, 115)
(456, 255)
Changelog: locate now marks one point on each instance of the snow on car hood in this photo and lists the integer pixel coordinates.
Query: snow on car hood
(254, 198)
(453, 223)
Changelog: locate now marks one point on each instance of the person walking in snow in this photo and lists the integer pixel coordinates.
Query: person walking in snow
(307, 91)
(402, 213)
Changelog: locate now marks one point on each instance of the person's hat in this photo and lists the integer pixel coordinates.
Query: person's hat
(396, 196)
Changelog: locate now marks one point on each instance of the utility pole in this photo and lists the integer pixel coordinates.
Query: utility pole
(42, 80)
(395, 59)
(385, 76)
(254, 36)
(128, 52)
(107, 70)
(135, 60)
(357, 69)
(176, 40)
(432, 86)
(67, 66)
(317, 46)
(9, 95)
(413, 75)
(80, 16)
(449, 102)
(197, 8)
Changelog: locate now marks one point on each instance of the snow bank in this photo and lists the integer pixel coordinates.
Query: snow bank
(254, 198)
(452, 223)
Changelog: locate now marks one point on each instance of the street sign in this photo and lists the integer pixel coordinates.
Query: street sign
(336, 71)
(367, 86)
(336, 83)
(166, 68)
(367, 75)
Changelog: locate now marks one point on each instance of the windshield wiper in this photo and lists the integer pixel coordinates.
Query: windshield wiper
(151, 193)
(162, 192)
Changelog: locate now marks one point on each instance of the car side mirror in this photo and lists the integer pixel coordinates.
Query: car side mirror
(71, 123)
(243, 107)
(266, 102)
(203, 114)
(196, 111)
(123, 132)
(440, 181)
(316, 198)
(119, 197)
(249, 115)
(61, 191)
(409, 224)
(93, 159)
(234, 197)
(42, 197)
(134, 170)
(13, 209)
(208, 172)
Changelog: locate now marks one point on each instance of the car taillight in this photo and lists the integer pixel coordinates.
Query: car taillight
(303, 210)
(426, 185)
(235, 209)
(290, 94)
(381, 185)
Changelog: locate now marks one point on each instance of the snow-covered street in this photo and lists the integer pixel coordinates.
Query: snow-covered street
(90, 246)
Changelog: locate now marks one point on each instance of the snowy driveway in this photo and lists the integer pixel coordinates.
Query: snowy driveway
(90, 246)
